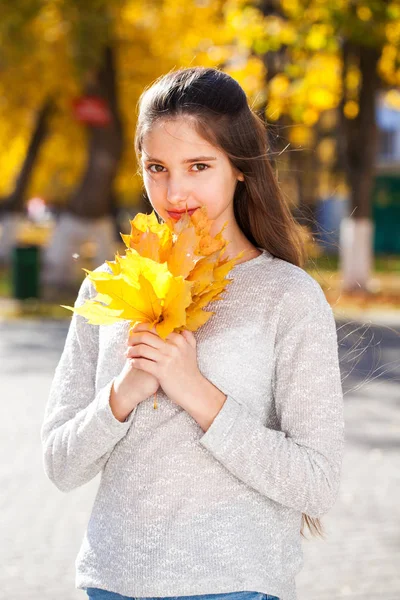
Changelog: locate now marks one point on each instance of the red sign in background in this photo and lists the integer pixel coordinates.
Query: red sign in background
(92, 110)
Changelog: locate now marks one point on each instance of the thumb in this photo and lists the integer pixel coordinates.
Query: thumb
(189, 337)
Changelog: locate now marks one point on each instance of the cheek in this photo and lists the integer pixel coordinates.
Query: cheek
(213, 185)
(217, 190)
(153, 186)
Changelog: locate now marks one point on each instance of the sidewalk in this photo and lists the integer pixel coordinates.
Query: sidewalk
(43, 527)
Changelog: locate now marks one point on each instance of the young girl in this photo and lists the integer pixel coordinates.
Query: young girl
(206, 496)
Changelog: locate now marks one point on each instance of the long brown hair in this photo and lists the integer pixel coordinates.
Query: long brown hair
(218, 110)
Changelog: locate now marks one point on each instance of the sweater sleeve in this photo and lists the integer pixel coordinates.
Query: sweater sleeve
(79, 430)
(298, 466)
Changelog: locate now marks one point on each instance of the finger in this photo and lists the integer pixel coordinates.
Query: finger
(142, 351)
(176, 339)
(149, 338)
(189, 337)
(140, 326)
(144, 365)
(146, 326)
(136, 328)
(146, 337)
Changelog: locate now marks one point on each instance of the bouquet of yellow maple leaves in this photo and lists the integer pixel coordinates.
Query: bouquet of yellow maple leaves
(168, 274)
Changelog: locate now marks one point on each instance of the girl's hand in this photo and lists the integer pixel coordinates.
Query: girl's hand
(131, 387)
(172, 362)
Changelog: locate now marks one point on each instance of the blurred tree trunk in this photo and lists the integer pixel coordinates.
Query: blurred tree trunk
(304, 169)
(15, 201)
(360, 140)
(90, 213)
(93, 197)
(12, 206)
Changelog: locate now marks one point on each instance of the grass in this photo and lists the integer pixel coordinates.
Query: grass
(5, 283)
(382, 264)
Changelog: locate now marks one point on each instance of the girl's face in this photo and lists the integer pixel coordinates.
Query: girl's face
(180, 168)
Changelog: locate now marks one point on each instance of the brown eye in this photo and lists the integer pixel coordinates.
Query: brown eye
(201, 165)
(149, 168)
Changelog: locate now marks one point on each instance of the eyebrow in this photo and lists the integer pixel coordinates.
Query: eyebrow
(187, 160)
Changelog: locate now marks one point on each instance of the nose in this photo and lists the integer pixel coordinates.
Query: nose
(176, 193)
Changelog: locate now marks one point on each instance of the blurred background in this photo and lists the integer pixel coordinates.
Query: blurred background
(325, 77)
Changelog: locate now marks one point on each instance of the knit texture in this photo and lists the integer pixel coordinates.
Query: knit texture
(180, 511)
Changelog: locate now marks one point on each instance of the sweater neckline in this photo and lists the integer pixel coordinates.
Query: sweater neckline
(252, 261)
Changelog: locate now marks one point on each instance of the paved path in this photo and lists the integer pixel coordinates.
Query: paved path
(42, 527)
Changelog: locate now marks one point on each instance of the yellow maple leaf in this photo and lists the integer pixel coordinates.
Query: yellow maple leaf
(138, 301)
(95, 313)
(177, 300)
(196, 317)
(148, 237)
(182, 257)
(169, 273)
(132, 264)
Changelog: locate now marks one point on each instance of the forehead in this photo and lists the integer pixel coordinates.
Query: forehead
(176, 136)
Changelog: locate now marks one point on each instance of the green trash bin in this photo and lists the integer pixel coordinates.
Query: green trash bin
(25, 272)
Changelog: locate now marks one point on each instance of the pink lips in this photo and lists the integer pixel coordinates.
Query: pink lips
(177, 215)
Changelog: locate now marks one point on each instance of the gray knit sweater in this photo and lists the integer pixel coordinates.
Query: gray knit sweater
(180, 511)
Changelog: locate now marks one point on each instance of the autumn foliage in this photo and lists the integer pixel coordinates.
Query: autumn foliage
(169, 273)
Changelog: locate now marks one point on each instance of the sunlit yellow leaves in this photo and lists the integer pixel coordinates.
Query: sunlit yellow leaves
(292, 7)
(148, 237)
(216, 55)
(149, 39)
(311, 82)
(321, 98)
(96, 314)
(392, 99)
(250, 73)
(353, 78)
(273, 26)
(393, 33)
(207, 288)
(317, 37)
(138, 293)
(202, 274)
(192, 239)
(138, 300)
(299, 135)
(304, 96)
(288, 34)
(131, 265)
(326, 150)
(364, 13)
(16, 145)
(388, 65)
(351, 109)
(309, 116)
(177, 300)
(182, 255)
(279, 85)
(393, 10)
(136, 13)
(248, 22)
(278, 95)
(169, 295)
(273, 110)
(39, 69)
